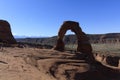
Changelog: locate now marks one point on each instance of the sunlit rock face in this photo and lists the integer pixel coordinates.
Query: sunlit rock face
(5, 33)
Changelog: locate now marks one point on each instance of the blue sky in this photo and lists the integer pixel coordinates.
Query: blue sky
(44, 17)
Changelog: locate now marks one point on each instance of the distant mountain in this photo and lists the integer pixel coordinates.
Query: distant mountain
(23, 36)
(16, 36)
(71, 39)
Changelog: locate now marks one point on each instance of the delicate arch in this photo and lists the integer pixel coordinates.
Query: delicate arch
(83, 41)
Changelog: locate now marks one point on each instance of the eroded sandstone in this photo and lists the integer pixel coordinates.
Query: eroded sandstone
(5, 33)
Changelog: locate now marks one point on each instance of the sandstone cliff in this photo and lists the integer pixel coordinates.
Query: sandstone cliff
(5, 33)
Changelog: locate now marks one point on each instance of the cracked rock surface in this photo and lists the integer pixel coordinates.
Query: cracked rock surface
(46, 64)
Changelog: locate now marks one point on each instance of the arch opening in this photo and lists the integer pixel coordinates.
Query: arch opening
(70, 41)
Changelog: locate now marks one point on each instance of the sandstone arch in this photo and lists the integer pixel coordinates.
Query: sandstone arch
(83, 41)
(5, 33)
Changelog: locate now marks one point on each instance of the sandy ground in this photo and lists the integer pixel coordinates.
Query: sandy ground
(46, 64)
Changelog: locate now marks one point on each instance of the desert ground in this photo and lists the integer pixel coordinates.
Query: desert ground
(48, 64)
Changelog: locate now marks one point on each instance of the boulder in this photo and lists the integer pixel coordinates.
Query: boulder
(5, 33)
(113, 60)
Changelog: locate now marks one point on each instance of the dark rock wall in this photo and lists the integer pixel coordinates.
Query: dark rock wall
(5, 33)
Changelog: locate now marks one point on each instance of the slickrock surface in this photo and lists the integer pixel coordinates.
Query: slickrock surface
(46, 64)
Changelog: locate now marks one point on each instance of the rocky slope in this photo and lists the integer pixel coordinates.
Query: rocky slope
(47, 64)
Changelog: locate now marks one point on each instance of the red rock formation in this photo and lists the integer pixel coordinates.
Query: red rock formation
(5, 33)
(98, 70)
(83, 41)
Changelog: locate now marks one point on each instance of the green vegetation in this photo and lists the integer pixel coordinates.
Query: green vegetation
(71, 47)
(110, 48)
